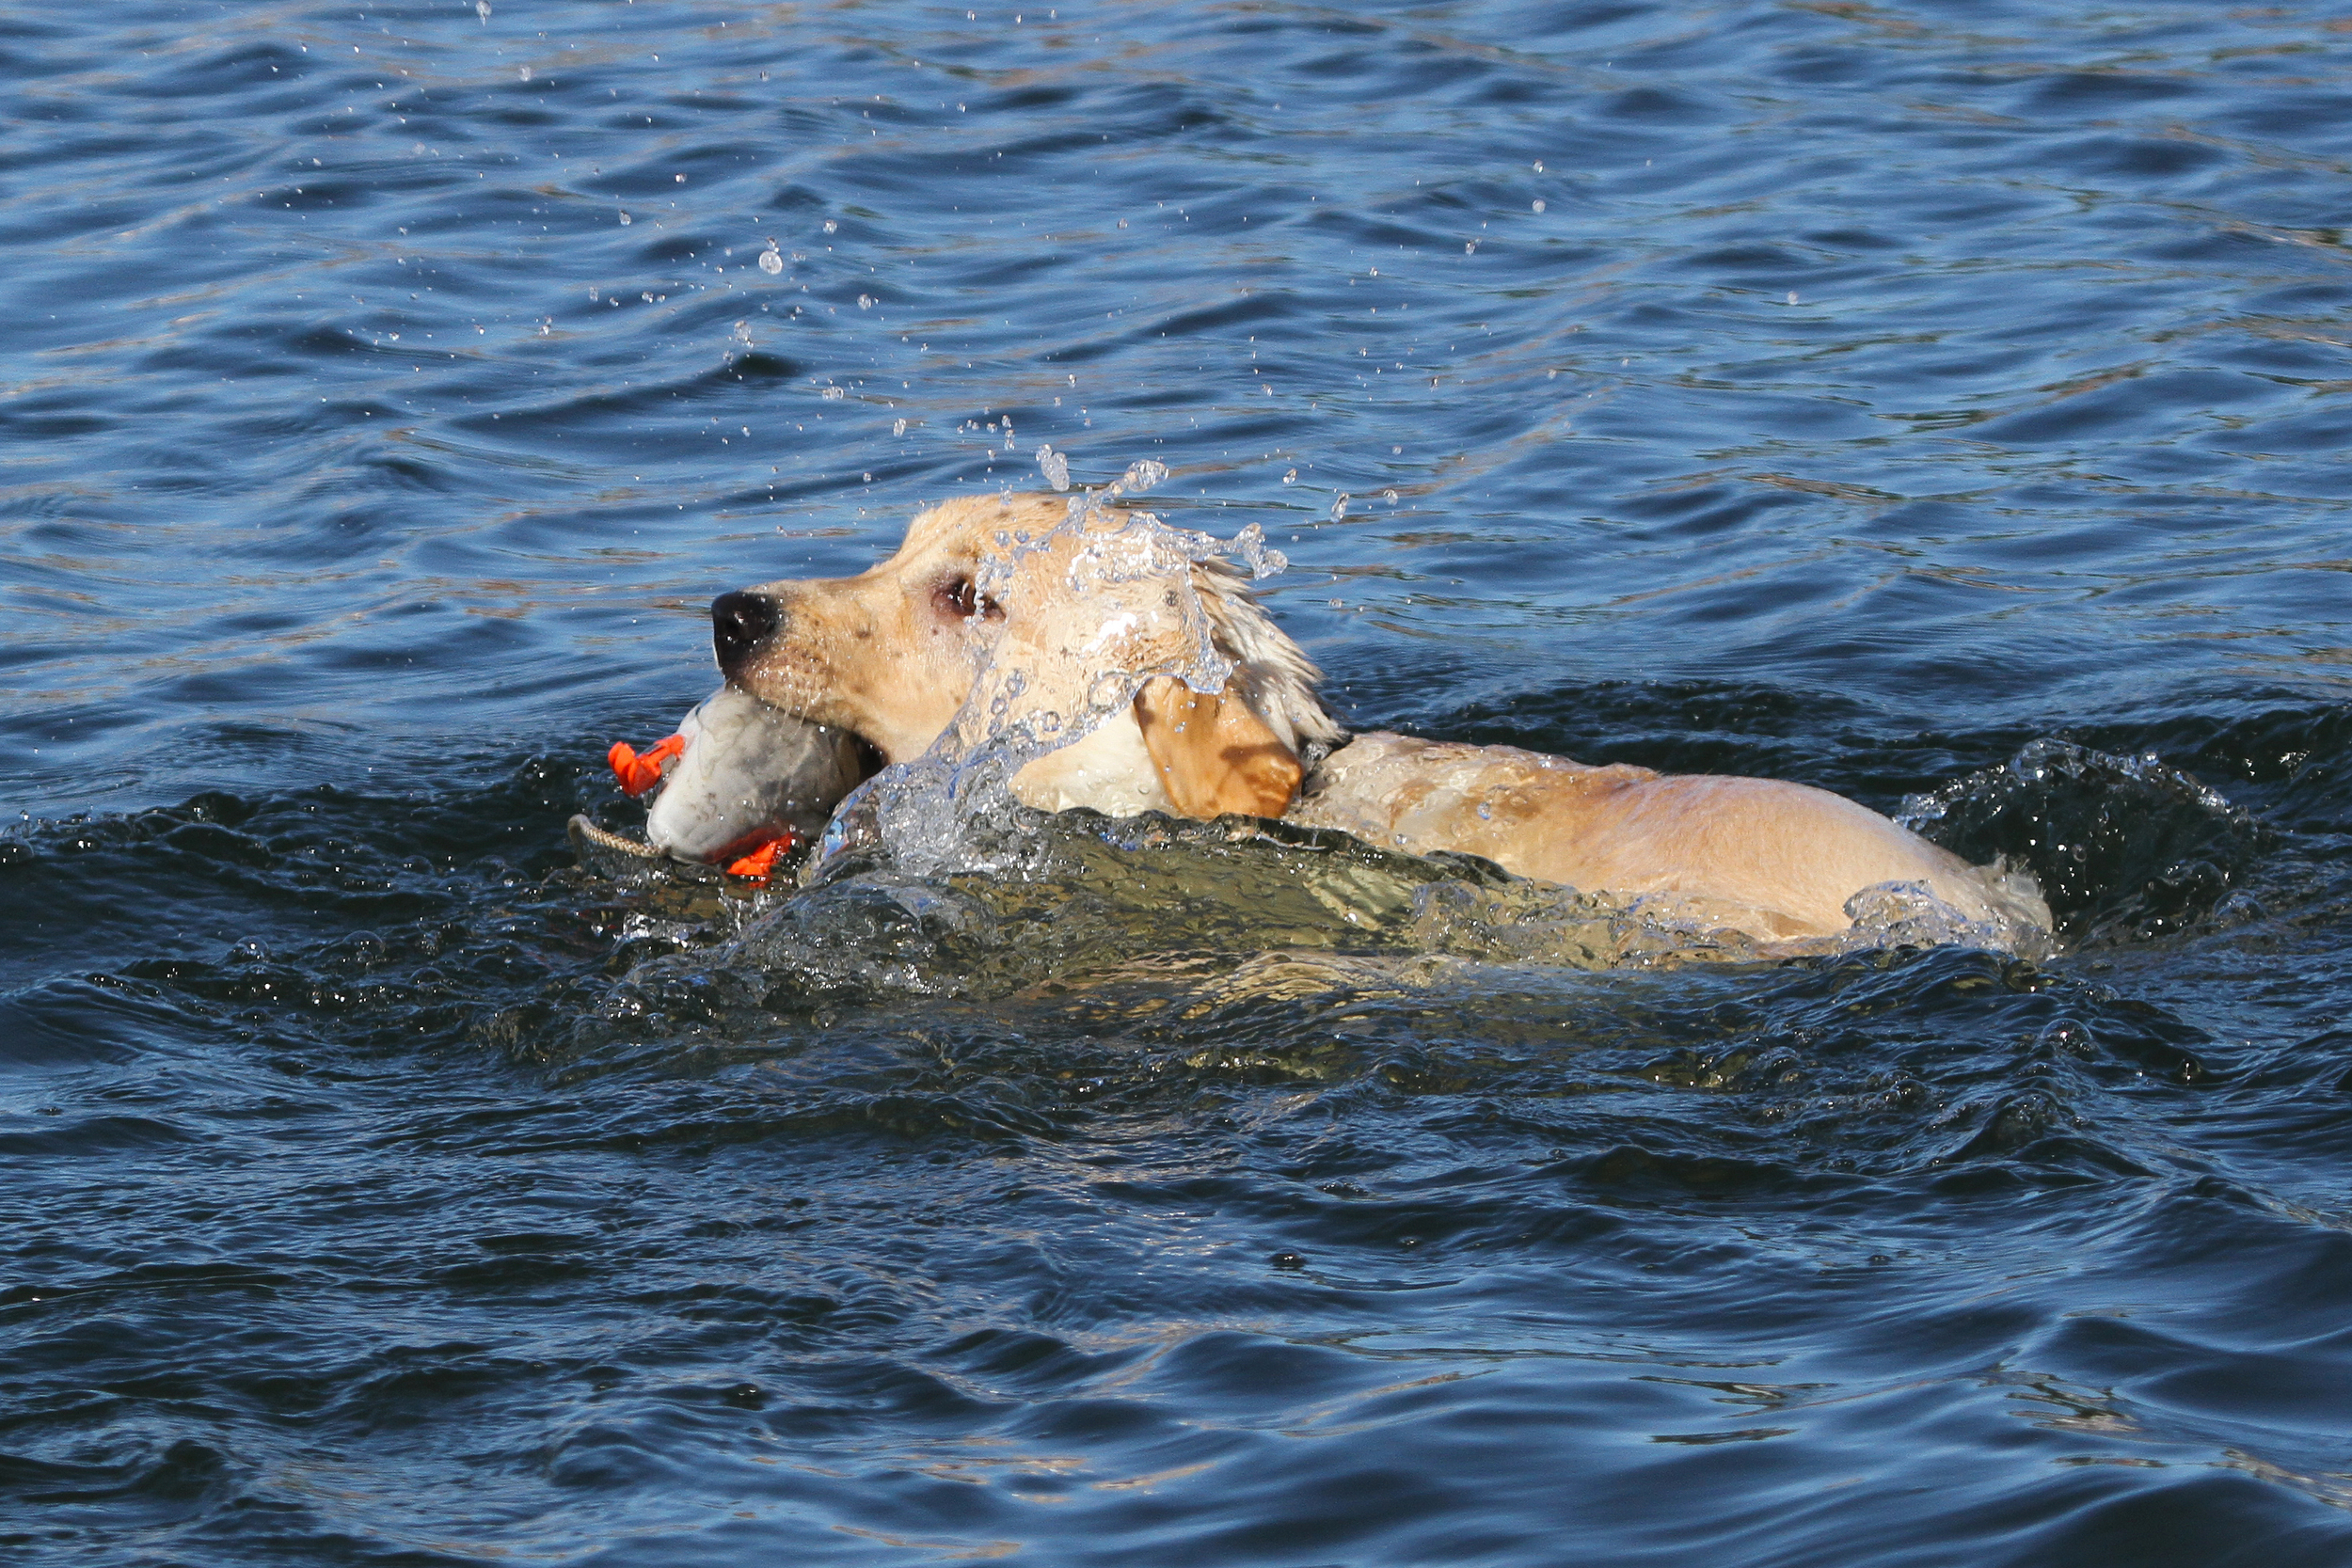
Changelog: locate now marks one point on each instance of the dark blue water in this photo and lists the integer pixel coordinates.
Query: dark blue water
(1863, 394)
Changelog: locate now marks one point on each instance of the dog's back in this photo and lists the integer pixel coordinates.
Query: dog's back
(1793, 854)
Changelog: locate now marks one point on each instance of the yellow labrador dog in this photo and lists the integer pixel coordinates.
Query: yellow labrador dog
(995, 608)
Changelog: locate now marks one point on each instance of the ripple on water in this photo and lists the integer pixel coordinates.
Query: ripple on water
(1909, 405)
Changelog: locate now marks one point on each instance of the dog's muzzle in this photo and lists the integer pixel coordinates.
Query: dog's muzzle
(740, 624)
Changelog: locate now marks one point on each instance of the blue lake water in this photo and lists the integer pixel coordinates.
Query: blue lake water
(1865, 394)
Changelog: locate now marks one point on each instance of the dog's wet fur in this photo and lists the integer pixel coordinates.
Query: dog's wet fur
(892, 653)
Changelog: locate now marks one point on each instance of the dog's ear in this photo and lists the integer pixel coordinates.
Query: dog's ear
(1213, 755)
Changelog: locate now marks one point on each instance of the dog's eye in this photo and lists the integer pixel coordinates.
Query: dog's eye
(962, 599)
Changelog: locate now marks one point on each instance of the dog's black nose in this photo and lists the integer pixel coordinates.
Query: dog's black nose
(739, 623)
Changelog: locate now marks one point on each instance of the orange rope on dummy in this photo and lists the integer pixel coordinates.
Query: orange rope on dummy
(637, 774)
(760, 861)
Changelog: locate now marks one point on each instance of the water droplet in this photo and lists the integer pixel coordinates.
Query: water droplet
(1539, 165)
(897, 427)
(831, 226)
(1338, 508)
(1141, 476)
(1388, 495)
(834, 394)
(769, 262)
(481, 10)
(1792, 296)
(625, 219)
(1055, 467)
(1539, 204)
(866, 302)
(525, 73)
(1469, 247)
(1251, 545)
(1290, 476)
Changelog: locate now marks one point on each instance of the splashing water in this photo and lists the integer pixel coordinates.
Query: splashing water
(2126, 849)
(1095, 607)
(1140, 476)
(1055, 467)
(1263, 560)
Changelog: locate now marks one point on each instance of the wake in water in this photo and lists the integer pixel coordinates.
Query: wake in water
(2126, 849)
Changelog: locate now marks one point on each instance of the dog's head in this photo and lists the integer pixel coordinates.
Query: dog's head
(1009, 596)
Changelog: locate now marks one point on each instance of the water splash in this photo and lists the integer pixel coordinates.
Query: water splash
(1055, 467)
(1263, 559)
(1907, 914)
(2126, 849)
(1095, 607)
(1140, 476)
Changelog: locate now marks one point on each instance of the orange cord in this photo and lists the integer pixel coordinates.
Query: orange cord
(637, 774)
(760, 861)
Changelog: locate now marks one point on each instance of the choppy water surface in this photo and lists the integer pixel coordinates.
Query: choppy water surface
(1934, 401)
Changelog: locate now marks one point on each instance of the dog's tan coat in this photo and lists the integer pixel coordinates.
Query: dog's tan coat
(892, 653)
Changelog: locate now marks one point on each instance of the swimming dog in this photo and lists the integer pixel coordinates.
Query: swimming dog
(996, 595)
